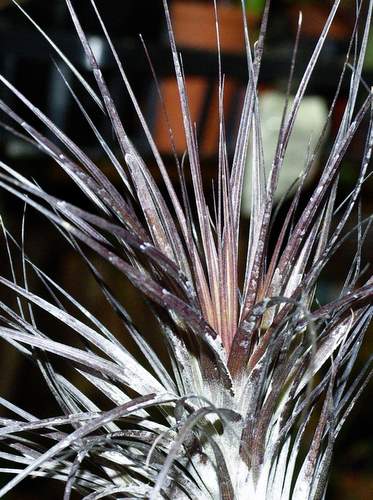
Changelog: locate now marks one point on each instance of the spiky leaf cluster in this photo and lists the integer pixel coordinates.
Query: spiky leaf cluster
(252, 368)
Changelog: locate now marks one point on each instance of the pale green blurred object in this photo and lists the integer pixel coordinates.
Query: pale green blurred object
(368, 62)
(255, 6)
(308, 126)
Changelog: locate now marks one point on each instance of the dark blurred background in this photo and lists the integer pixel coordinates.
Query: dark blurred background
(27, 61)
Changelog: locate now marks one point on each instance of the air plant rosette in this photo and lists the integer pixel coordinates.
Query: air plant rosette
(252, 368)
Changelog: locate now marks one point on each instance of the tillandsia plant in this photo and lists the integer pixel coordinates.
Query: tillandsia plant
(254, 382)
